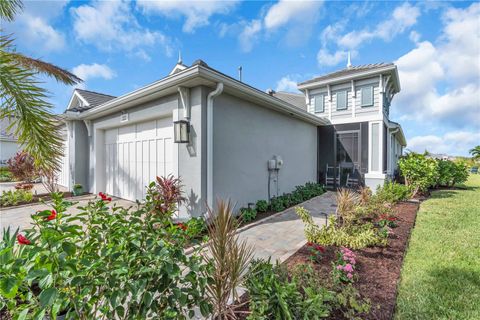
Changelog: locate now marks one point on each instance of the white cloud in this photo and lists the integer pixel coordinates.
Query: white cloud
(441, 82)
(110, 25)
(326, 58)
(196, 13)
(452, 143)
(296, 17)
(286, 11)
(288, 84)
(95, 70)
(414, 36)
(249, 35)
(402, 18)
(34, 27)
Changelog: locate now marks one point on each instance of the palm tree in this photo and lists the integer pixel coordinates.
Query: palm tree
(475, 152)
(23, 100)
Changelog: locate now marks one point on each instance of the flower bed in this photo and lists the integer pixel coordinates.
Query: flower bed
(12, 200)
(377, 268)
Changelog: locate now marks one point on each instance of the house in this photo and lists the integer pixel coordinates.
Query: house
(9, 145)
(222, 137)
(361, 144)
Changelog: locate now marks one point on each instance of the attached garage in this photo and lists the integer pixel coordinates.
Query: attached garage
(135, 155)
(64, 173)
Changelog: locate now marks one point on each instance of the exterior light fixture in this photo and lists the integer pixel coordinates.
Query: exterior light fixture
(181, 131)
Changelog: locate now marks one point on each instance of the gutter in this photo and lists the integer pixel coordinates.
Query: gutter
(211, 96)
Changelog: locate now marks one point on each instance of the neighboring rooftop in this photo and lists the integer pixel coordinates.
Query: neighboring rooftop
(93, 98)
(296, 99)
(348, 71)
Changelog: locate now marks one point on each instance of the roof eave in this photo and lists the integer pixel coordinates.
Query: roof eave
(308, 85)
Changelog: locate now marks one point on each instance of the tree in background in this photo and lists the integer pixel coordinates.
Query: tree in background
(475, 152)
(23, 100)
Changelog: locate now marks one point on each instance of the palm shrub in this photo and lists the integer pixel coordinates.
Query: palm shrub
(23, 99)
(121, 264)
(228, 258)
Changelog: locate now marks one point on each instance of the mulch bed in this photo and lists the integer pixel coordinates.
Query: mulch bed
(378, 268)
(39, 198)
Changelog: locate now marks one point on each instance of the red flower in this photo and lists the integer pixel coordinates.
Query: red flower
(320, 248)
(22, 239)
(104, 197)
(53, 215)
(182, 226)
(309, 244)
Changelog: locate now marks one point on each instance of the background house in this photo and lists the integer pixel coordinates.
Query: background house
(8, 142)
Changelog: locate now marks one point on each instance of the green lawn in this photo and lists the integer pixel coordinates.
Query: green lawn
(441, 272)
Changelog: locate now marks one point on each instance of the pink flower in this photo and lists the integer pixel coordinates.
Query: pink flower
(339, 267)
(349, 275)
(352, 261)
(348, 268)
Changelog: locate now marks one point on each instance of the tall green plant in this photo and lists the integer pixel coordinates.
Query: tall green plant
(229, 257)
(23, 99)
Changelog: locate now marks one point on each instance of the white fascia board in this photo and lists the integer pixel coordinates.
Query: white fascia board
(394, 125)
(262, 97)
(79, 96)
(179, 78)
(120, 102)
(346, 78)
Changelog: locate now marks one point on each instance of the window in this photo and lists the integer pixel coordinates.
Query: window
(318, 102)
(367, 96)
(342, 100)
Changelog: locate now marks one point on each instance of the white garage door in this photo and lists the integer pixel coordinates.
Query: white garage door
(64, 174)
(135, 155)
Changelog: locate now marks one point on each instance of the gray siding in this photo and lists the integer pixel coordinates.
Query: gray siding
(245, 137)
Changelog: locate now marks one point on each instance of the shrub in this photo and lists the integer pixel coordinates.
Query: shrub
(315, 251)
(165, 193)
(120, 264)
(5, 175)
(248, 214)
(13, 198)
(277, 204)
(351, 304)
(261, 206)
(229, 259)
(419, 172)
(392, 192)
(347, 202)
(22, 166)
(460, 173)
(275, 295)
(351, 236)
(195, 227)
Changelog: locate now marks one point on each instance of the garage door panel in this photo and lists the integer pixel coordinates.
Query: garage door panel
(136, 155)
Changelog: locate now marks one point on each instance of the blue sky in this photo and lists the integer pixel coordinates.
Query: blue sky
(118, 46)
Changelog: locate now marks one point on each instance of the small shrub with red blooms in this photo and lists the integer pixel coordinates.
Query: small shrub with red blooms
(315, 251)
(344, 267)
(104, 197)
(387, 221)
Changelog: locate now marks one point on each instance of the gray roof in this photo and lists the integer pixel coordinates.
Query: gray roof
(93, 98)
(348, 71)
(296, 99)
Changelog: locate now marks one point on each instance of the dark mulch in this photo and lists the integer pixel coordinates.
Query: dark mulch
(39, 198)
(378, 268)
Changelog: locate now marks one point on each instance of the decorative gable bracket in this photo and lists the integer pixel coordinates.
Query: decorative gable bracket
(185, 101)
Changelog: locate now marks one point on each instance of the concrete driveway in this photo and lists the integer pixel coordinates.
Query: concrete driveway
(19, 216)
(38, 188)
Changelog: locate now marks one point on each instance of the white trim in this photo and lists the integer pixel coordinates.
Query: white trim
(354, 97)
(88, 124)
(79, 96)
(381, 96)
(375, 175)
(344, 78)
(218, 90)
(329, 93)
(185, 101)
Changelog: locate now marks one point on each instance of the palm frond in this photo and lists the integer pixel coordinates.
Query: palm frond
(24, 101)
(9, 8)
(46, 68)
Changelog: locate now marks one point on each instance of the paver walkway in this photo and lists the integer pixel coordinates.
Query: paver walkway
(281, 235)
(19, 217)
(38, 188)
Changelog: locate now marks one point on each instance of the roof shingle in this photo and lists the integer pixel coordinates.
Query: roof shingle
(93, 98)
(296, 99)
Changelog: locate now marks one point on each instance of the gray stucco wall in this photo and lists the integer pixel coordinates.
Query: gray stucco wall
(245, 137)
(79, 154)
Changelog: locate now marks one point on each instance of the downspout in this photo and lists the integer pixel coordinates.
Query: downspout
(211, 96)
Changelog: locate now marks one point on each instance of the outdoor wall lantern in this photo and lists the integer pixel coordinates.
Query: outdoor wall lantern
(181, 130)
